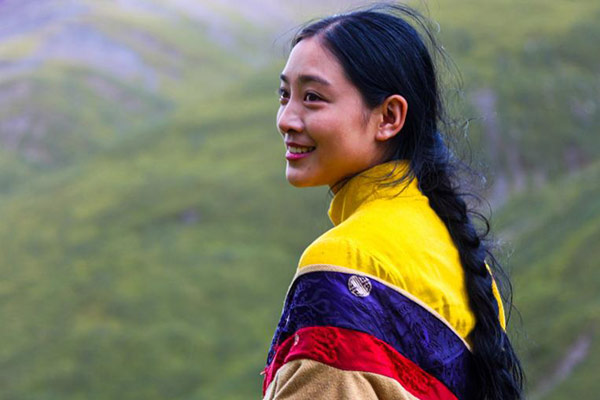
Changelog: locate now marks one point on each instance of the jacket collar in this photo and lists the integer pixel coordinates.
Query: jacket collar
(370, 184)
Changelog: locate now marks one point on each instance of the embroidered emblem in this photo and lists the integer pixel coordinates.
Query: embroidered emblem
(359, 286)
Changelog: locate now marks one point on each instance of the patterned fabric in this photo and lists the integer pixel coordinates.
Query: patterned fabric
(381, 293)
(326, 299)
(376, 329)
(308, 379)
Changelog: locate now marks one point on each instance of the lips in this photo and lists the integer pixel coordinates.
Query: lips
(296, 151)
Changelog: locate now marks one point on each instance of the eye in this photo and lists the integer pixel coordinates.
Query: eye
(283, 95)
(310, 96)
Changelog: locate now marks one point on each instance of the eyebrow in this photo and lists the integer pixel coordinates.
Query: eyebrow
(307, 78)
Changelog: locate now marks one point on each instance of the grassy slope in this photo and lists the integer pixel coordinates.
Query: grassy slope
(555, 234)
(538, 63)
(74, 109)
(157, 272)
(504, 26)
(130, 272)
(156, 267)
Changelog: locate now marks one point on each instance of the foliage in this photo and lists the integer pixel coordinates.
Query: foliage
(553, 258)
(149, 235)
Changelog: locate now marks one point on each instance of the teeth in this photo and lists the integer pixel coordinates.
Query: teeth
(296, 150)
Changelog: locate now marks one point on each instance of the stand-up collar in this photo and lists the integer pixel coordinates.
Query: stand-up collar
(371, 184)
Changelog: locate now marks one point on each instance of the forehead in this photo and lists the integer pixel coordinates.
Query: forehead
(309, 57)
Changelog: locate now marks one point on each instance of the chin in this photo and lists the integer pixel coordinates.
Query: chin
(300, 180)
(295, 181)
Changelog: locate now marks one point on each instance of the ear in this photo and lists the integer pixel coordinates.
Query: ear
(393, 114)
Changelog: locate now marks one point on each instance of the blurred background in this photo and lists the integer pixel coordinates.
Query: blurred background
(148, 235)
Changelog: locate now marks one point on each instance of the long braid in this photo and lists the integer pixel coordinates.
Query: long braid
(495, 363)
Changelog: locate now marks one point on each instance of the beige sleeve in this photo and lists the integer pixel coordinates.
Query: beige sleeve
(308, 379)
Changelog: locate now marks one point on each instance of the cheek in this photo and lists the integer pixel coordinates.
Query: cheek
(328, 129)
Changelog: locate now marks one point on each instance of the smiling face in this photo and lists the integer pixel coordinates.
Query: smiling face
(329, 132)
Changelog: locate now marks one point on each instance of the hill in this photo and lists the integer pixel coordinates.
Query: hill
(149, 235)
(555, 253)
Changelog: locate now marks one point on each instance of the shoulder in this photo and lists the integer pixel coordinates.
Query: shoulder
(397, 240)
(343, 246)
(333, 247)
(329, 248)
(403, 244)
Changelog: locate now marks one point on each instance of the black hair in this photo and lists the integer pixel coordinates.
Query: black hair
(382, 54)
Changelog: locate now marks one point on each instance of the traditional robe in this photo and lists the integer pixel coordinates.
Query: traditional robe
(378, 308)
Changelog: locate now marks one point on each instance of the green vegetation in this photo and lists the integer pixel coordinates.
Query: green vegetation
(531, 85)
(149, 235)
(154, 270)
(555, 253)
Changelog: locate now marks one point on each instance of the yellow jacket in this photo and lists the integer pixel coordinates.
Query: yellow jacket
(386, 243)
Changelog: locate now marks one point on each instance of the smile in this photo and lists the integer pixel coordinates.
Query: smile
(300, 150)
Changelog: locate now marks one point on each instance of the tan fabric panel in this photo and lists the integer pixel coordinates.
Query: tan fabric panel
(311, 380)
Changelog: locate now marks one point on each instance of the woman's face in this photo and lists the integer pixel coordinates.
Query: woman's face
(328, 131)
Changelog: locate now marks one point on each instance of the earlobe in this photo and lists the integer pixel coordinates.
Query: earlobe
(393, 116)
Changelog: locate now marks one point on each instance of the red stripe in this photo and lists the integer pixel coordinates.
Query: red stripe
(351, 350)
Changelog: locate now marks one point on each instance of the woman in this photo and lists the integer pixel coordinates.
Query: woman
(396, 300)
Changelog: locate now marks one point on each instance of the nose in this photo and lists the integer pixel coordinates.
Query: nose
(289, 119)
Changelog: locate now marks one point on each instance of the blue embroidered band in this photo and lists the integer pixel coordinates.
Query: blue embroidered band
(352, 301)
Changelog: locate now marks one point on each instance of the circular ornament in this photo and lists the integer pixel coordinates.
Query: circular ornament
(360, 286)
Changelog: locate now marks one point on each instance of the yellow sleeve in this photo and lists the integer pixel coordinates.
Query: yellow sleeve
(345, 252)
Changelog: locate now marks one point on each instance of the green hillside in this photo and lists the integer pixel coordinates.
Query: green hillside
(153, 273)
(530, 73)
(149, 235)
(78, 80)
(554, 233)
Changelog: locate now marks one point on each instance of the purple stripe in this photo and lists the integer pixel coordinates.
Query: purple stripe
(323, 298)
